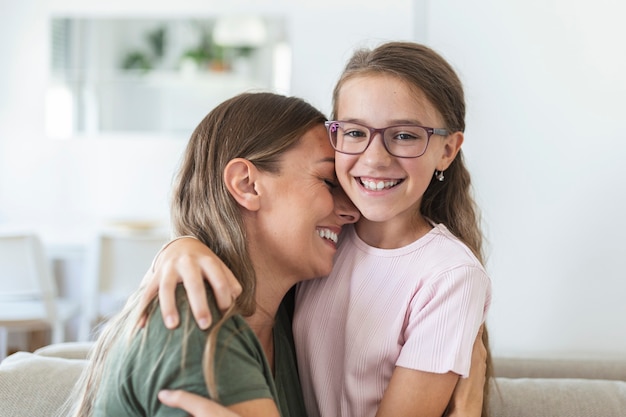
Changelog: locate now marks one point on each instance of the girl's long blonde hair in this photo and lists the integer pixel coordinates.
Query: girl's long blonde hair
(259, 127)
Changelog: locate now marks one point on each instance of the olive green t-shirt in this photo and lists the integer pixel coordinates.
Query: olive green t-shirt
(138, 369)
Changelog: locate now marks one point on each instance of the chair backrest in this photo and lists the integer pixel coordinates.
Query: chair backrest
(25, 271)
(124, 259)
(116, 265)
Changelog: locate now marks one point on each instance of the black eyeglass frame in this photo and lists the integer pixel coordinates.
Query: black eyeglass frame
(429, 132)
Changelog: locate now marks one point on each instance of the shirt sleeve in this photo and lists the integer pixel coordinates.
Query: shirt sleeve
(443, 320)
(173, 360)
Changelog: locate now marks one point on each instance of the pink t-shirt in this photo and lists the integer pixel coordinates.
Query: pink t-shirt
(418, 307)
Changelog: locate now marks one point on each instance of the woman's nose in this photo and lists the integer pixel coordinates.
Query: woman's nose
(344, 209)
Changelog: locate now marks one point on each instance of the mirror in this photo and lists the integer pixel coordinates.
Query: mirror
(157, 76)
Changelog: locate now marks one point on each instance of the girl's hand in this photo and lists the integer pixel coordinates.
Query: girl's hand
(189, 261)
(467, 399)
(195, 405)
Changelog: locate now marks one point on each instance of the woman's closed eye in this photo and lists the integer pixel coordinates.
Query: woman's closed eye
(331, 183)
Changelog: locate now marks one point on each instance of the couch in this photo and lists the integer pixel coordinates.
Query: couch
(36, 384)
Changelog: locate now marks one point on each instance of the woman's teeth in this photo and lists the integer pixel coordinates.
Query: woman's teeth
(328, 234)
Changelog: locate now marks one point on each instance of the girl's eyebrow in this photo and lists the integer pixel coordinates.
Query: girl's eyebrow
(393, 122)
(406, 122)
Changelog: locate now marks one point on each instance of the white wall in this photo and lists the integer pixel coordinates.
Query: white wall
(544, 83)
(71, 182)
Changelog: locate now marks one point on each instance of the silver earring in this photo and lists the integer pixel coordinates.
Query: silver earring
(439, 175)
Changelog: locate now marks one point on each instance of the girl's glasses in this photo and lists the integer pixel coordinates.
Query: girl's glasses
(403, 141)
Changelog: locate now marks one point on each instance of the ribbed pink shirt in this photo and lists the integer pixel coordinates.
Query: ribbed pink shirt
(418, 307)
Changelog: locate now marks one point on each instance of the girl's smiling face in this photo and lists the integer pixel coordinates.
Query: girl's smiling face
(378, 100)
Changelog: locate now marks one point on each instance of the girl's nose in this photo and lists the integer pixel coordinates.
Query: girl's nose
(376, 153)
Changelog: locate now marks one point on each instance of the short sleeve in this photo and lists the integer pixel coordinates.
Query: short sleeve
(241, 370)
(443, 320)
(173, 359)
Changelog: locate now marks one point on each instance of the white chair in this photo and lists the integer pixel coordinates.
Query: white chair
(116, 264)
(28, 293)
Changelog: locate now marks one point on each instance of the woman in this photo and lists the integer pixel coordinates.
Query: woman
(257, 185)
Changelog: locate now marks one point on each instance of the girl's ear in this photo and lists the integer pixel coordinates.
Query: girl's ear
(451, 148)
(240, 176)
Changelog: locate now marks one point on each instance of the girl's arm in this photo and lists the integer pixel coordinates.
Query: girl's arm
(412, 393)
(417, 393)
(467, 399)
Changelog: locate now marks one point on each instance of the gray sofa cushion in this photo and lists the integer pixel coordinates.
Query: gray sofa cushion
(550, 397)
(587, 368)
(36, 386)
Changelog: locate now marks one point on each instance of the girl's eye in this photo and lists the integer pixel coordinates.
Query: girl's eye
(355, 133)
(405, 136)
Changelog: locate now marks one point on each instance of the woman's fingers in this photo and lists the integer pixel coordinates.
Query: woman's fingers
(194, 404)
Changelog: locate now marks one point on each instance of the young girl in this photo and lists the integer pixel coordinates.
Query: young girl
(392, 327)
(408, 291)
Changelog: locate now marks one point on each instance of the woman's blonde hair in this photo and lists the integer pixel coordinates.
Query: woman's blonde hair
(450, 201)
(259, 127)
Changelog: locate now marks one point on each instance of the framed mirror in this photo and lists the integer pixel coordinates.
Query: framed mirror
(157, 77)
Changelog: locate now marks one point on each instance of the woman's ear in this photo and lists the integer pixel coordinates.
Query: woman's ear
(451, 148)
(240, 176)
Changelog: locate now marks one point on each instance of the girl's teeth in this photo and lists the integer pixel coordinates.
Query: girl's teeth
(377, 185)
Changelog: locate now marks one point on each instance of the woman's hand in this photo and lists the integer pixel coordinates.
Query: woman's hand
(467, 399)
(199, 406)
(189, 261)
(195, 405)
